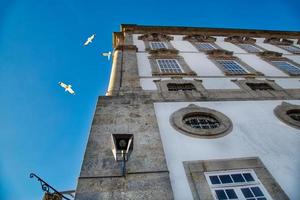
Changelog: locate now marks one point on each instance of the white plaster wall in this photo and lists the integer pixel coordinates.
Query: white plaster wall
(139, 43)
(295, 58)
(219, 83)
(230, 47)
(271, 47)
(184, 46)
(143, 62)
(260, 65)
(288, 83)
(256, 132)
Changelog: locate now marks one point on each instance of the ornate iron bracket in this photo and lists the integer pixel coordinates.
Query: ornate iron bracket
(46, 187)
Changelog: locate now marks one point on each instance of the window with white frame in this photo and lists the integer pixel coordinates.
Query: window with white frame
(232, 67)
(286, 66)
(236, 184)
(290, 48)
(205, 46)
(250, 48)
(158, 45)
(169, 66)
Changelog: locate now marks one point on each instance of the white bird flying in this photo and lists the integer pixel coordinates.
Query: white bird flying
(68, 88)
(89, 40)
(108, 54)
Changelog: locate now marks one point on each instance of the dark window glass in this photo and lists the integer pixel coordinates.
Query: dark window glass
(248, 177)
(199, 121)
(237, 178)
(225, 179)
(221, 194)
(231, 194)
(247, 193)
(257, 192)
(294, 114)
(261, 198)
(180, 87)
(214, 179)
(259, 86)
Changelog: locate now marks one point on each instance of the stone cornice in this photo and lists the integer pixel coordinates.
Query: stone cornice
(240, 39)
(180, 30)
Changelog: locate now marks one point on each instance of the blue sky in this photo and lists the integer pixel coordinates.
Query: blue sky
(45, 130)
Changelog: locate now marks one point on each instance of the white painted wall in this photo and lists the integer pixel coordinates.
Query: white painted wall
(260, 65)
(288, 83)
(256, 132)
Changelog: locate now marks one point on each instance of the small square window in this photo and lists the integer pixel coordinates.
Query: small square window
(158, 45)
(287, 67)
(232, 67)
(169, 66)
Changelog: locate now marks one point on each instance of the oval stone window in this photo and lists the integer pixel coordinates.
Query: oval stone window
(200, 122)
(289, 114)
(294, 114)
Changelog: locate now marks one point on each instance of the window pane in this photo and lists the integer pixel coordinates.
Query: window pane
(250, 48)
(257, 192)
(247, 193)
(158, 45)
(286, 66)
(261, 198)
(237, 178)
(169, 66)
(205, 46)
(248, 177)
(221, 194)
(225, 179)
(214, 179)
(231, 194)
(232, 67)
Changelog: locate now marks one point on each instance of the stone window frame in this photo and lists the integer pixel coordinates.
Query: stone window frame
(194, 39)
(276, 92)
(168, 54)
(200, 188)
(237, 40)
(163, 88)
(281, 113)
(221, 54)
(156, 37)
(270, 56)
(278, 42)
(176, 121)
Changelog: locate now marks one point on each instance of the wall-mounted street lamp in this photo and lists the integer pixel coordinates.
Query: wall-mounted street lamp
(122, 146)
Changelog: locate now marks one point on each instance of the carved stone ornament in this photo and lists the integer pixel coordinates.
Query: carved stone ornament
(271, 55)
(240, 39)
(199, 38)
(178, 117)
(278, 41)
(219, 53)
(286, 112)
(155, 37)
(163, 52)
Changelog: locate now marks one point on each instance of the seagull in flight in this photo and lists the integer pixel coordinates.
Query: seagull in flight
(68, 88)
(89, 40)
(108, 54)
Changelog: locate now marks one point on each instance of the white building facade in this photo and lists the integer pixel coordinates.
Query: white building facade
(215, 114)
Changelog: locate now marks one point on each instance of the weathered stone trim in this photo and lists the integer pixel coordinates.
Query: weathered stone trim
(126, 47)
(176, 120)
(270, 56)
(199, 38)
(277, 91)
(281, 111)
(236, 39)
(221, 54)
(200, 188)
(156, 37)
(163, 88)
(168, 54)
(278, 41)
